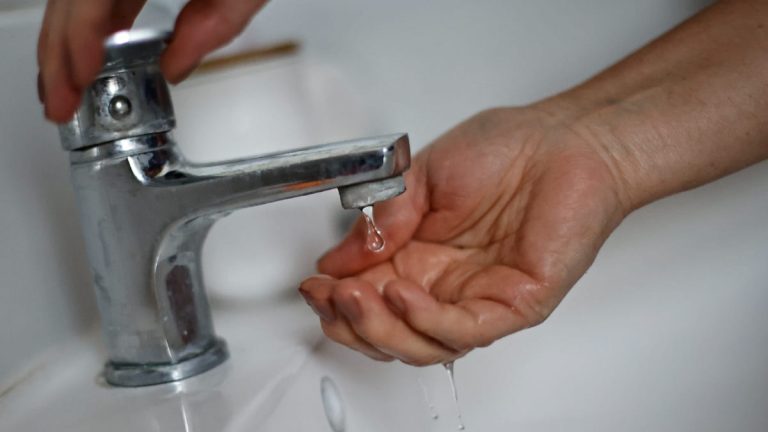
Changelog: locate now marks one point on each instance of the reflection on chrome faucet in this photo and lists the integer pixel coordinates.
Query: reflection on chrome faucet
(146, 210)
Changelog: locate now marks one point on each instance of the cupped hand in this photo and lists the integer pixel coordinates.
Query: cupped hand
(70, 49)
(502, 216)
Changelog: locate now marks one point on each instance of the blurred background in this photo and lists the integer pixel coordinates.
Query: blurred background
(675, 301)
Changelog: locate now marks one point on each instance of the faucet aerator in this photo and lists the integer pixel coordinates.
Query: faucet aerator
(365, 194)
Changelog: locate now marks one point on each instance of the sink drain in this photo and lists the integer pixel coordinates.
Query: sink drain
(333, 405)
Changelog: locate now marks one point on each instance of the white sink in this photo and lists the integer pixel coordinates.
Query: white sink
(667, 331)
(67, 393)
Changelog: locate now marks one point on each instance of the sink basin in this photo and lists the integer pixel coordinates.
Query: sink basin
(66, 392)
(667, 331)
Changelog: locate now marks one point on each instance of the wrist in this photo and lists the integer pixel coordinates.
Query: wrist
(605, 126)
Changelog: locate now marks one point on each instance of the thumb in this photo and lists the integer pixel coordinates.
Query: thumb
(397, 218)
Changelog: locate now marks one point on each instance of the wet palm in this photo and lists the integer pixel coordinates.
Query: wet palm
(503, 214)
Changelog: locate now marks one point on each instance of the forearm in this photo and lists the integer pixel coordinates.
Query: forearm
(688, 108)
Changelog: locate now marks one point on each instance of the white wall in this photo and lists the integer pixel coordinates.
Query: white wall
(425, 65)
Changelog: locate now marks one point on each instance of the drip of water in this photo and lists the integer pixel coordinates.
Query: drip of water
(374, 241)
(432, 410)
(449, 369)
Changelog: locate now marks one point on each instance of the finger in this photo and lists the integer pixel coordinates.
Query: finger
(124, 13)
(40, 88)
(496, 302)
(61, 94)
(42, 44)
(341, 331)
(86, 29)
(42, 41)
(201, 27)
(91, 21)
(368, 315)
(397, 218)
(317, 291)
(88, 25)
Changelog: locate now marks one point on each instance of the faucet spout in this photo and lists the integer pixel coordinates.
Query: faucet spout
(226, 186)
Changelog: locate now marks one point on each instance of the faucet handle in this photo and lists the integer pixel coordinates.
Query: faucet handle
(129, 98)
(129, 49)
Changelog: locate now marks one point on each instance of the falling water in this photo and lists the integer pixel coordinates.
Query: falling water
(449, 369)
(374, 241)
(432, 410)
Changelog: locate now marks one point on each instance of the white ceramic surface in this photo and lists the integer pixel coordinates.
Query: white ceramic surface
(45, 289)
(667, 331)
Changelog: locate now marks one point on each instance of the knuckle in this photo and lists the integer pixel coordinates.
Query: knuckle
(482, 343)
(489, 113)
(424, 360)
(463, 343)
(417, 362)
(534, 305)
(331, 332)
(346, 290)
(223, 23)
(491, 117)
(371, 330)
(380, 357)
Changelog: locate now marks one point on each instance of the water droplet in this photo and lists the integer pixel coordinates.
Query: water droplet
(432, 410)
(449, 369)
(374, 241)
(333, 405)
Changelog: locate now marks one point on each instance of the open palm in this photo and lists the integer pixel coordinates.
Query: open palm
(502, 216)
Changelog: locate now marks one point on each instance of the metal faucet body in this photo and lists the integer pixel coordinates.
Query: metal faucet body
(145, 210)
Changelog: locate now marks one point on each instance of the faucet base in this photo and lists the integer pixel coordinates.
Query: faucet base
(151, 374)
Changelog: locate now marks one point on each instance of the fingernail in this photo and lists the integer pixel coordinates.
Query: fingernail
(323, 310)
(395, 303)
(351, 307)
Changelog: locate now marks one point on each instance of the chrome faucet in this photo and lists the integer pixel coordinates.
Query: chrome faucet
(145, 210)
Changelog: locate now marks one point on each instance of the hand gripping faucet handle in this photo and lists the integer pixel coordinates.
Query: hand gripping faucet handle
(129, 98)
